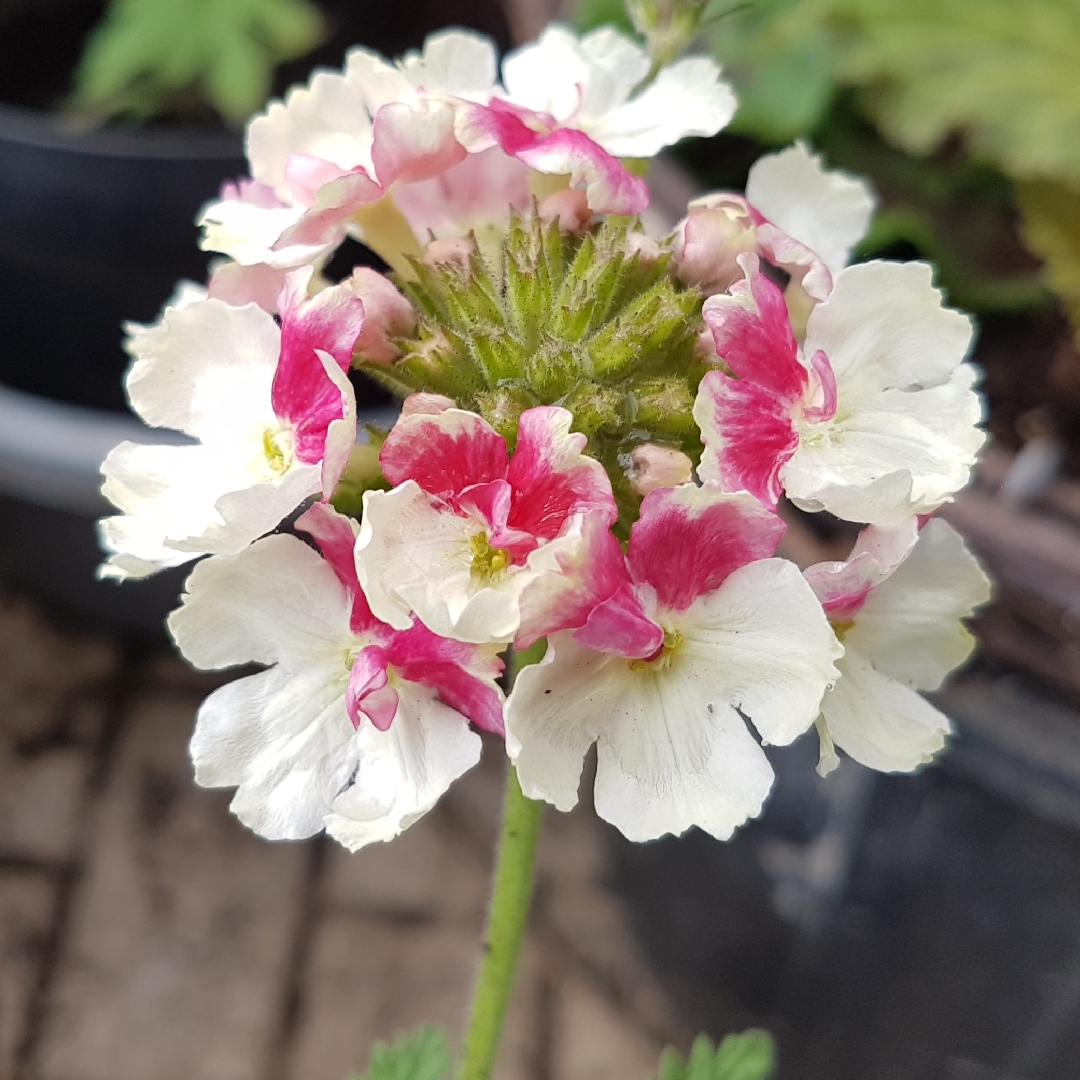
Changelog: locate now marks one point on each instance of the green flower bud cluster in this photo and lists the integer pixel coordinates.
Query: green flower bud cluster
(577, 321)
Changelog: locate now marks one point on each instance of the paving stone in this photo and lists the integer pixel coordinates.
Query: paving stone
(26, 909)
(41, 798)
(174, 965)
(430, 872)
(593, 1041)
(41, 668)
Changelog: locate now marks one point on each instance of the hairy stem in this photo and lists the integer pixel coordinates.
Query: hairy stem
(510, 899)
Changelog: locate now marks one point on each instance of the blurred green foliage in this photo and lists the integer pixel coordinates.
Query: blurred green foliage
(421, 1055)
(145, 52)
(750, 1055)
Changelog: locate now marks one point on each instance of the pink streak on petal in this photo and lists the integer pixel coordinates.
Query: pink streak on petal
(413, 144)
(368, 675)
(380, 707)
(323, 225)
(619, 625)
(305, 174)
(754, 337)
(802, 263)
(610, 188)
(251, 192)
(505, 125)
(587, 576)
(302, 391)
(821, 367)
(335, 536)
(491, 503)
(551, 476)
(444, 453)
(688, 540)
(447, 667)
(759, 435)
(432, 404)
(238, 285)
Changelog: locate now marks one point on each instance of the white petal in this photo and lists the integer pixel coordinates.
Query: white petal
(380, 81)
(412, 554)
(204, 369)
(880, 722)
(667, 757)
(910, 626)
(616, 66)
(277, 600)
(455, 62)
(326, 119)
(549, 74)
(403, 771)
(884, 327)
(763, 644)
(247, 233)
(284, 738)
(826, 210)
(686, 98)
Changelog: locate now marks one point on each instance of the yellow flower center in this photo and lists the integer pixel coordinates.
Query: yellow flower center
(840, 629)
(277, 449)
(488, 562)
(662, 660)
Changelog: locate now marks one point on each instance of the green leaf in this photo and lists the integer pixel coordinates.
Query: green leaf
(750, 1055)
(1051, 229)
(589, 14)
(1003, 73)
(422, 1055)
(145, 53)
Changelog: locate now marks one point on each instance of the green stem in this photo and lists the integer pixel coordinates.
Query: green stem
(510, 899)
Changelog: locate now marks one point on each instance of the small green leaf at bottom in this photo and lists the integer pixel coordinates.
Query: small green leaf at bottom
(750, 1055)
(423, 1054)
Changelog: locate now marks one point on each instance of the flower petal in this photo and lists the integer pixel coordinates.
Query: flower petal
(879, 721)
(688, 540)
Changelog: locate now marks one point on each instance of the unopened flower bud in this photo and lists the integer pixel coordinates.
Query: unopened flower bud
(652, 466)
(570, 208)
(387, 315)
(643, 246)
(718, 229)
(452, 249)
(427, 404)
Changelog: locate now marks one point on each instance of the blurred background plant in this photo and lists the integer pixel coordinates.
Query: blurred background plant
(147, 53)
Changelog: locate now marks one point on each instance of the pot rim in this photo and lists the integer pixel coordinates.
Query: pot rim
(46, 130)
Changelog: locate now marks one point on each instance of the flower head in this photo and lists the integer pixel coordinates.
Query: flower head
(898, 603)
(353, 726)
(705, 629)
(270, 412)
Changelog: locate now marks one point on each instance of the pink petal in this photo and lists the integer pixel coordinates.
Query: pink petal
(502, 124)
(610, 188)
(797, 259)
(753, 334)
(444, 453)
(414, 143)
(238, 285)
(581, 569)
(749, 436)
(323, 225)
(709, 240)
(455, 669)
(305, 174)
(387, 314)
(620, 625)
(551, 476)
(335, 535)
(689, 539)
(302, 392)
(819, 364)
(368, 676)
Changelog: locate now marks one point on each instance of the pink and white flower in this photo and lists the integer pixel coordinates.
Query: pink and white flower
(874, 419)
(353, 726)
(569, 107)
(705, 629)
(271, 411)
(898, 604)
(796, 214)
(480, 546)
(343, 143)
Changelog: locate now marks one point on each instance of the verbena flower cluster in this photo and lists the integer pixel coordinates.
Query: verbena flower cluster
(598, 431)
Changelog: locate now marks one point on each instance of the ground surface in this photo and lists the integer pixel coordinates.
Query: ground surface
(146, 935)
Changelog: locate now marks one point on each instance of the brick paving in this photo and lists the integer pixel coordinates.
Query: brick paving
(146, 935)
